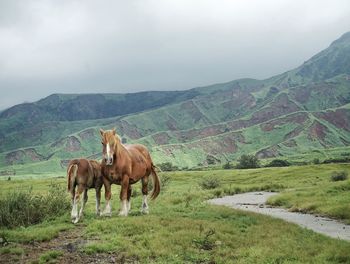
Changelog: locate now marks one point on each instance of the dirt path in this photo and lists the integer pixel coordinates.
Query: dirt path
(69, 243)
(256, 202)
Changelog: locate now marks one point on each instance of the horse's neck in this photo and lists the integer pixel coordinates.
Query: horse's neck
(122, 152)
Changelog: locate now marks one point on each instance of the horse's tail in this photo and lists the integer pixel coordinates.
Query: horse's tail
(156, 183)
(72, 169)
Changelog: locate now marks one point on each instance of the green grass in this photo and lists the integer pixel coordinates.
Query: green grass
(50, 256)
(183, 228)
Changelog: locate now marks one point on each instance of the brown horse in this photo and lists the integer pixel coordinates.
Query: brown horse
(85, 174)
(125, 165)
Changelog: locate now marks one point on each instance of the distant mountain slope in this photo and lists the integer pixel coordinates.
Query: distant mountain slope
(305, 109)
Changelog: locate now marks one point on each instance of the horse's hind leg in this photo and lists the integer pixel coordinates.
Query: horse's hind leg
(144, 207)
(74, 214)
(83, 202)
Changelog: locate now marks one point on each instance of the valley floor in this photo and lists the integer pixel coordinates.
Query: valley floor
(183, 228)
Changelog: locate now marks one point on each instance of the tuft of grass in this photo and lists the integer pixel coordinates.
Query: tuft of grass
(12, 250)
(164, 179)
(205, 241)
(24, 208)
(339, 176)
(210, 182)
(50, 256)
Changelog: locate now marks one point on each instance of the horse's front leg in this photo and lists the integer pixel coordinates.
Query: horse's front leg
(108, 193)
(98, 200)
(124, 196)
(129, 198)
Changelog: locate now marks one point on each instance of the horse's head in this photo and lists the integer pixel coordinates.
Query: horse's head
(110, 142)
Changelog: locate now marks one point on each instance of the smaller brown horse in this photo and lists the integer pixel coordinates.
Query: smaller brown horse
(85, 174)
(125, 165)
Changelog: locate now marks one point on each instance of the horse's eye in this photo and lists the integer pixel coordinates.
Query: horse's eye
(102, 143)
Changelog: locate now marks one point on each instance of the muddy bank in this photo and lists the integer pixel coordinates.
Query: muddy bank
(256, 202)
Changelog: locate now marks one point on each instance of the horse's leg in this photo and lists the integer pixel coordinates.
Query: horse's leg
(144, 207)
(108, 210)
(72, 193)
(83, 202)
(124, 196)
(74, 214)
(129, 198)
(98, 199)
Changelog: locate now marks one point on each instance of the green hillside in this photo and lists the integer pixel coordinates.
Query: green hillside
(300, 114)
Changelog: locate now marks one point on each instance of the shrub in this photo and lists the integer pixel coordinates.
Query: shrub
(227, 166)
(278, 163)
(316, 161)
(164, 182)
(23, 208)
(168, 166)
(337, 160)
(248, 162)
(339, 176)
(209, 183)
(205, 242)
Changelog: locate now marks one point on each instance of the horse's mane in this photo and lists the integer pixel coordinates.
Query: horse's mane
(119, 144)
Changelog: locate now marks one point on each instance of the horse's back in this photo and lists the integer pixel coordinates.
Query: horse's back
(87, 171)
(140, 158)
(138, 148)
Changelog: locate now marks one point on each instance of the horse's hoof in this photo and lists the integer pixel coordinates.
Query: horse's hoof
(144, 211)
(123, 214)
(106, 214)
(76, 220)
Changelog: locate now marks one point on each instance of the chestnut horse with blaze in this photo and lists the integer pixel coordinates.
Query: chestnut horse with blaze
(125, 165)
(85, 174)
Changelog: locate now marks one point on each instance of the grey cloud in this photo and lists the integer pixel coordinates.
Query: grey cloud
(126, 46)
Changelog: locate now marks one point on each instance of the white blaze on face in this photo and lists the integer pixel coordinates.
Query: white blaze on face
(108, 153)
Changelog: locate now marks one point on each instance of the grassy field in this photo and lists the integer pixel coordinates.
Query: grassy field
(183, 228)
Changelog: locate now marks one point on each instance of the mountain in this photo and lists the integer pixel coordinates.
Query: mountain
(305, 110)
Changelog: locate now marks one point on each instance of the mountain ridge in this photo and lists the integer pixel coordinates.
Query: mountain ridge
(179, 126)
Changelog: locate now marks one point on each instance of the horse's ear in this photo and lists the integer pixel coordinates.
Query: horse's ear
(114, 131)
(101, 132)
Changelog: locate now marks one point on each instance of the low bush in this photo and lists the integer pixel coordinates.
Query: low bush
(278, 163)
(248, 162)
(227, 166)
(337, 160)
(164, 182)
(339, 176)
(210, 182)
(168, 166)
(23, 208)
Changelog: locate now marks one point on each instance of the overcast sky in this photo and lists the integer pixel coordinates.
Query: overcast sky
(127, 46)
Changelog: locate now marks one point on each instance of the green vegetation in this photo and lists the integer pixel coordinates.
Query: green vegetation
(168, 166)
(209, 182)
(23, 208)
(227, 166)
(182, 228)
(279, 163)
(50, 256)
(339, 175)
(248, 162)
